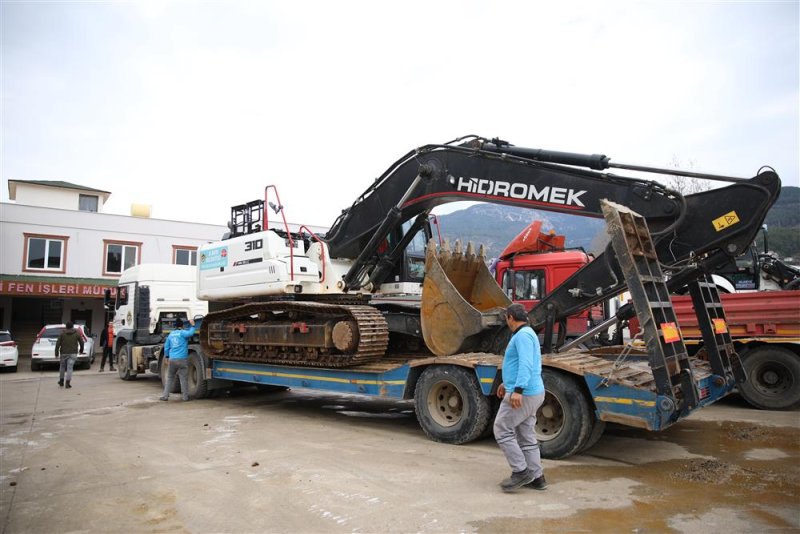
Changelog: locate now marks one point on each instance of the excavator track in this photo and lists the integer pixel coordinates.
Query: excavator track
(312, 334)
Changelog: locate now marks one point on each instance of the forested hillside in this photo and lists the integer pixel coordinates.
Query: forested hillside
(783, 223)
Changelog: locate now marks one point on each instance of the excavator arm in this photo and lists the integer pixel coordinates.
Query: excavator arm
(692, 234)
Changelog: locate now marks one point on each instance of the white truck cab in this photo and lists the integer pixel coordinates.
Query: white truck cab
(172, 294)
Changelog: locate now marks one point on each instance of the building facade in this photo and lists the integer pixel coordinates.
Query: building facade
(59, 253)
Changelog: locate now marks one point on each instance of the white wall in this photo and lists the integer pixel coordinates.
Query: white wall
(86, 232)
(53, 197)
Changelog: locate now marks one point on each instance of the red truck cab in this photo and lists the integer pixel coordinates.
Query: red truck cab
(534, 264)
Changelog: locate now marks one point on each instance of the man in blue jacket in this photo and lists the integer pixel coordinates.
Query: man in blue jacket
(522, 393)
(176, 353)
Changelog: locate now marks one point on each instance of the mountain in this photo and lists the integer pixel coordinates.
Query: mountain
(786, 211)
(783, 223)
(494, 225)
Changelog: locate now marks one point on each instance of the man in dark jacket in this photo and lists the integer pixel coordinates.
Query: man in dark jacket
(69, 343)
(107, 342)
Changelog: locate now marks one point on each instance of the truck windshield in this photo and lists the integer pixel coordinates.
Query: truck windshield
(525, 285)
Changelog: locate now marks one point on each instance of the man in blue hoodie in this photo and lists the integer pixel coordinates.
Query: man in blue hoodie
(522, 393)
(176, 353)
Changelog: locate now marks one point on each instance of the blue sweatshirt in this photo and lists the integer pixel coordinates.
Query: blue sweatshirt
(177, 344)
(522, 363)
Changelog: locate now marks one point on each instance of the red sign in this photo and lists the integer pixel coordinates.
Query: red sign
(54, 289)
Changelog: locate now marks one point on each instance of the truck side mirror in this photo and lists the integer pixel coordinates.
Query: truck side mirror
(509, 282)
(107, 301)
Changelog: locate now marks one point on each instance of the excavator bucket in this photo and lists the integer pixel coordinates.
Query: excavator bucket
(460, 299)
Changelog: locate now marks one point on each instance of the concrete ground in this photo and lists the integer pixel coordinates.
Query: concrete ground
(107, 456)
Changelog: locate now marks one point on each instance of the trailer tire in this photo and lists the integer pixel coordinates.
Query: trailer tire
(123, 367)
(773, 378)
(198, 385)
(450, 406)
(594, 436)
(564, 421)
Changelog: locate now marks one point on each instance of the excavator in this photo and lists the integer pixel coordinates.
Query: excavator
(376, 307)
(352, 296)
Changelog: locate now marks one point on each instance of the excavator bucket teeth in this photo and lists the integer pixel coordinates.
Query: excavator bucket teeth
(460, 299)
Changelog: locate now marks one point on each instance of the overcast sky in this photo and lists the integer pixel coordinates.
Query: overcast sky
(193, 107)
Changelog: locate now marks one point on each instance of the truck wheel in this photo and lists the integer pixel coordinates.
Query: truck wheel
(564, 421)
(124, 371)
(598, 428)
(198, 385)
(494, 407)
(773, 378)
(450, 406)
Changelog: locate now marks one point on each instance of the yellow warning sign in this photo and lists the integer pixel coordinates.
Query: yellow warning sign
(729, 219)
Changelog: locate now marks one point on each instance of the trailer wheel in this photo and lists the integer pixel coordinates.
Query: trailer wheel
(598, 428)
(198, 385)
(773, 378)
(123, 368)
(450, 406)
(564, 421)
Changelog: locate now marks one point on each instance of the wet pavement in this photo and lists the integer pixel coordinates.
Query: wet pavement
(106, 456)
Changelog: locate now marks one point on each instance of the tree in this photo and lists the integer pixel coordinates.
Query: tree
(684, 184)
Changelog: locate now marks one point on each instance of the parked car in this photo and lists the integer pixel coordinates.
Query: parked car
(9, 354)
(44, 348)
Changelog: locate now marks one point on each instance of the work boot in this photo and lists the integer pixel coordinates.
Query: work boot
(163, 398)
(538, 483)
(111, 369)
(517, 480)
(185, 399)
(60, 382)
(101, 370)
(68, 386)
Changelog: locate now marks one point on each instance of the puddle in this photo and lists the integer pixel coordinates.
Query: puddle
(745, 468)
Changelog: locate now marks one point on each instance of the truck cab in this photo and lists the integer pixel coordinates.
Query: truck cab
(150, 297)
(528, 278)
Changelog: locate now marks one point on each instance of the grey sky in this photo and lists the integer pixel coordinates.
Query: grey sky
(196, 106)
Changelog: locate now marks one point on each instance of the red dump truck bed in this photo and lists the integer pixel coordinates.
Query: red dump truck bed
(765, 329)
(766, 313)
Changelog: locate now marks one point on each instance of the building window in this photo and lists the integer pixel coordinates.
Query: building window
(87, 203)
(45, 253)
(184, 255)
(120, 255)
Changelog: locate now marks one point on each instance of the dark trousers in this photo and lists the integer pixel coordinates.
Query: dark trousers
(178, 367)
(108, 352)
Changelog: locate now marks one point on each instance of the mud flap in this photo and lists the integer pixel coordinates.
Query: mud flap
(460, 299)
